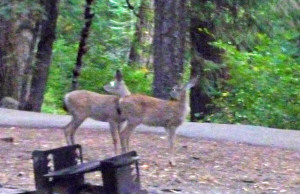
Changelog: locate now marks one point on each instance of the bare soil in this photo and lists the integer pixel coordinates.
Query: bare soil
(203, 166)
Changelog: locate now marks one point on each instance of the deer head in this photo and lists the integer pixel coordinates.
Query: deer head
(180, 90)
(118, 86)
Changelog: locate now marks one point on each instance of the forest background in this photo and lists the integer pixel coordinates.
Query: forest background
(247, 54)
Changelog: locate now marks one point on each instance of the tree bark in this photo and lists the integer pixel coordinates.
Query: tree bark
(169, 45)
(8, 63)
(27, 73)
(16, 48)
(43, 55)
(88, 16)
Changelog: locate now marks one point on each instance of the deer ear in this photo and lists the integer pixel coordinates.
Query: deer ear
(119, 76)
(192, 82)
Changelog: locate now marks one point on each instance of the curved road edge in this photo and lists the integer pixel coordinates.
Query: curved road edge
(255, 135)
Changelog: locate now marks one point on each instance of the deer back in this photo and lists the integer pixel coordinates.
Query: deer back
(151, 111)
(83, 104)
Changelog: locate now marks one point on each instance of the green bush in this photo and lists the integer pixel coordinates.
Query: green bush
(93, 77)
(108, 46)
(264, 85)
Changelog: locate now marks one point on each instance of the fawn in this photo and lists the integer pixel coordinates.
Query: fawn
(82, 104)
(141, 109)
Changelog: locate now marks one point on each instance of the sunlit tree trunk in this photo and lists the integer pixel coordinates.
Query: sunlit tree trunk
(26, 76)
(169, 45)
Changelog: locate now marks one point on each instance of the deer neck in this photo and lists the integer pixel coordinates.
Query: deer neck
(124, 90)
(184, 104)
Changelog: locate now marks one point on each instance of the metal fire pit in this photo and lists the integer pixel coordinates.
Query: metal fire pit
(62, 171)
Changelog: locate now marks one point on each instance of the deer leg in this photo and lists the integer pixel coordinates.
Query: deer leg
(121, 126)
(125, 136)
(171, 141)
(129, 135)
(123, 142)
(70, 130)
(114, 129)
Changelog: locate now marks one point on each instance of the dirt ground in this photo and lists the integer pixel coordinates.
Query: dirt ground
(203, 166)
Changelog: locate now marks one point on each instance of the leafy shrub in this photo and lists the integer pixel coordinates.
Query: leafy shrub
(264, 85)
(108, 46)
(93, 77)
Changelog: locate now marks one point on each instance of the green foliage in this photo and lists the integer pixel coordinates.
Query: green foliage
(108, 46)
(264, 85)
(139, 80)
(261, 56)
(59, 80)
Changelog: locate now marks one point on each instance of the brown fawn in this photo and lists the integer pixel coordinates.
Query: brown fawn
(82, 104)
(170, 114)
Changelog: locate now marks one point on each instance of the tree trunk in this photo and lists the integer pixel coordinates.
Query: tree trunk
(88, 16)
(16, 49)
(140, 52)
(27, 73)
(201, 51)
(8, 63)
(43, 55)
(169, 45)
